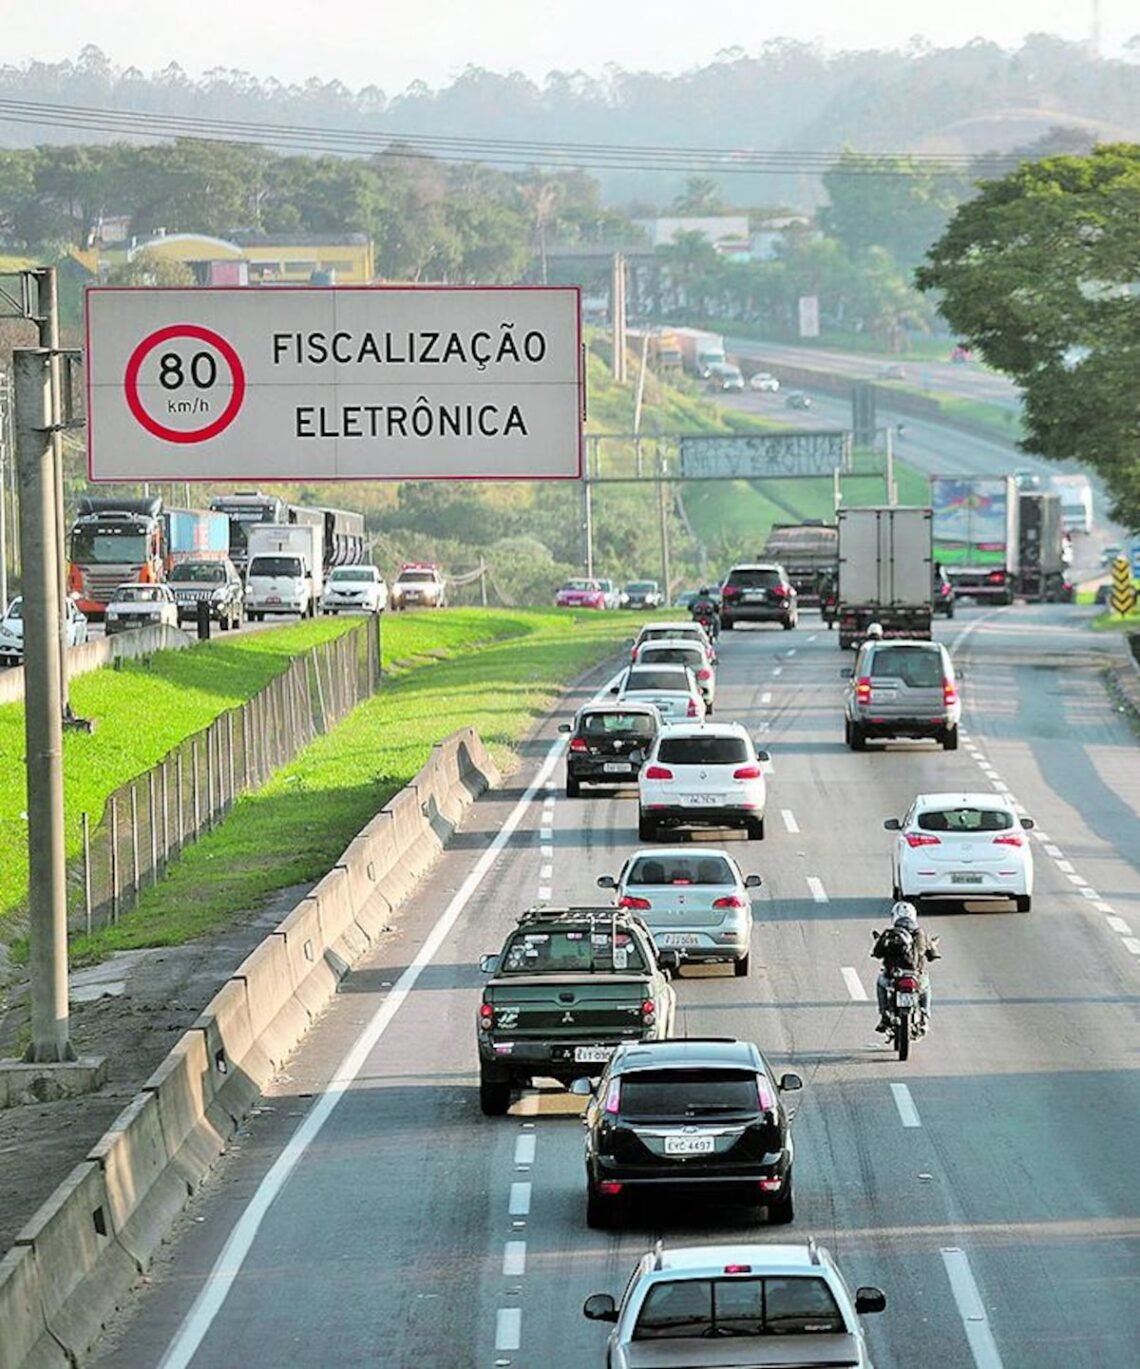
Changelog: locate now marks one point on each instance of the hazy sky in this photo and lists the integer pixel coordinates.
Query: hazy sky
(377, 42)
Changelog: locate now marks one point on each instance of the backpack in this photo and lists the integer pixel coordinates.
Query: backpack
(900, 948)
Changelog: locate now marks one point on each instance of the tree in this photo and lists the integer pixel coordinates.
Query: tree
(1041, 274)
(701, 196)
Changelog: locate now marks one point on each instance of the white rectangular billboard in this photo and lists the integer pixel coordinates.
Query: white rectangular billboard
(334, 383)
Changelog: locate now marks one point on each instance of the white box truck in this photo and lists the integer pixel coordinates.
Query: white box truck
(886, 569)
(700, 351)
(285, 569)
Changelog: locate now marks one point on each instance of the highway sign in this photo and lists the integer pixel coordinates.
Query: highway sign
(1136, 560)
(1122, 598)
(334, 383)
(761, 455)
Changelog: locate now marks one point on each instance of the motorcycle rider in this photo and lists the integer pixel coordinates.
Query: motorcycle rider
(911, 952)
(874, 632)
(704, 610)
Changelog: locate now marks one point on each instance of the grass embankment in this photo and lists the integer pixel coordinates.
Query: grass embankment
(295, 828)
(147, 707)
(1113, 622)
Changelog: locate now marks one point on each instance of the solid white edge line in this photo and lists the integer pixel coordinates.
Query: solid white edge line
(514, 1259)
(789, 820)
(525, 1147)
(818, 892)
(508, 1328)
(854, 984)
(972, 1310)
(227, 1266)
(908, 1113)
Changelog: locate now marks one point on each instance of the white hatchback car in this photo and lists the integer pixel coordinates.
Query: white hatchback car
(702, 774)
(12, 630)
(673, 689)
(683, 651)
(674, 632)
(764, 381)
(140, 605)
(354, 587)
(963, 847)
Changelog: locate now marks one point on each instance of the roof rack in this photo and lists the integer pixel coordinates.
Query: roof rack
(595, 911)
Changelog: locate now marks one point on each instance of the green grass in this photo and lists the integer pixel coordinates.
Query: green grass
(1003, 422)
(1112, 622)
(295, 828)
(144, 709)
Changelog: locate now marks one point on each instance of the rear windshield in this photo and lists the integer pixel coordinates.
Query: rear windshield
(570, 952)
(671, 655)
(416, 576)
(657, 679)
(702, 750)
(916, 666)
(657, 634)
(799, 1305)
(754, 579)
(641, 587)
(681, 870)
(275, 565)
(688, 1093)
(580, 585)
(965, 820)
(203, 572)
(618, 725)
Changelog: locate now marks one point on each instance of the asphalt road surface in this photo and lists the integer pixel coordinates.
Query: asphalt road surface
(371, 1216)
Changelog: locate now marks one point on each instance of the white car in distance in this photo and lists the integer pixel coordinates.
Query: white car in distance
(764, 382)
(12, 630)
(964, 848)
(349, 588)
(140, 605)
(702, 775)
(679, 651)
(673, 689)
(689, 630)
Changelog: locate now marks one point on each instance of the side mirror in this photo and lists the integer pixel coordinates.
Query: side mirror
(752, 881)
(565, 727)
(1027, 823)
(606, 882)
(868, 1299)
(581, 1088)
(615, 689)
(846, 673)
(764, 757)
(601, 1307)
(892, 825)
(669, 960)
(489, 964)
(789, 1083)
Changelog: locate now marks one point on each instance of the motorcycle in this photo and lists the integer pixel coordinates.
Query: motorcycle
(710, 621)
(904, 1010)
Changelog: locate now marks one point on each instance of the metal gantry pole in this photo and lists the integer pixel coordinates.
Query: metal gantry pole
(43, 721)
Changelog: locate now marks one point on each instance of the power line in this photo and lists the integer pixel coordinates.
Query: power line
(500, 152)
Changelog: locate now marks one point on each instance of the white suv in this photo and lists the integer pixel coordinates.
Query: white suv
(769, 1304)
(702, 774)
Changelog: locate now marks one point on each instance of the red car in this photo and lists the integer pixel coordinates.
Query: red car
(580, 594)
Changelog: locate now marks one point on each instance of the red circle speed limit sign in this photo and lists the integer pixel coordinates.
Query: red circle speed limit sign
(184, 383)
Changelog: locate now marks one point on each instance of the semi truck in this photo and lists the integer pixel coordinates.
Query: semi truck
(976, 534)
(700, 351)
(806, 551)
(117, 541)
(285, 573)
(662, 348)
(1041, 534)
(343, 531)
(886, 568)
(245, 509)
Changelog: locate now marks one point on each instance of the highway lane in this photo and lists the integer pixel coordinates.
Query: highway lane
(414, 1231)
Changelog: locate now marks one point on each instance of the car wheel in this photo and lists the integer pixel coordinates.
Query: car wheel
(646, 829)
(790, 623)
(783, 1210)
(896, 894)
(572, 787)
(950, 739)
(599, 1212)
(755, 829)
(741, 967)
(950, 611)
(494, 1096)
(708, 710)
(727, 624)
(858, 737)
(847, 731)
(1024, 903)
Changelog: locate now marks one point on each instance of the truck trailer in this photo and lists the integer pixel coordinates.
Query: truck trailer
(1041, 573)
(700, 351)
(976, 534)
(886, 567)
(807, 552)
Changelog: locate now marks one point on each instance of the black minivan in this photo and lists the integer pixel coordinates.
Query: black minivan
(608, 742)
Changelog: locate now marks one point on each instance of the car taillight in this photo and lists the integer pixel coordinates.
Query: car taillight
(779, 591)
(649, 1012)
(578, 744)
(731, 592)
(704, 673)
(613, 1098)
(729, 901)
(691, 711)
(633, 901)
(907, 983)
(610, 1187)
(738, 1269)
(949, 693)
(765, 1096)
(863, 689)
(747, 772)
(914, 839)
(1009, 839)
(657, 772)
(486, 1016)
(996, 577)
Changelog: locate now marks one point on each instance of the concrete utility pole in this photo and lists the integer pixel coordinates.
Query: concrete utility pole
(43, 721)
(588, 524)
(47, 325)
(663, 514)
(5, 457)
(617, 308)
(892, 493)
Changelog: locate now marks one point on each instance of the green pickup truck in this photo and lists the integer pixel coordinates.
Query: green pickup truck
(567, 987)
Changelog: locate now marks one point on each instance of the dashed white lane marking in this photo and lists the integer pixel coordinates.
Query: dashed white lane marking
(813, 636)
(545, 893)
(514, 1259)
(789, 820)
(1078, 881)
(525, 1147)
(854, 983)
(818, 892)
(547, 872)
(1088, 892)
(1054, 851)
(766, 697)
(1119, 926)
(1103, 907)
(986, 766)
(791, 652)
(546, 833)
(1132, 944)
(508, 1328)
(1065, 866)
(519, 1205)
(905, 1104)
(778, 670)
(546, 851)
(971, 1309)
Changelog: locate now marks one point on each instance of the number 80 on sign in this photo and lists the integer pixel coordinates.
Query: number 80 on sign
(184, 383)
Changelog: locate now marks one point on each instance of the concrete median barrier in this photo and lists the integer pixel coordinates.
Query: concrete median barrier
(22, 1327)
(277, 1015)
(183, 1088)
(314, 978)
(239, 1067)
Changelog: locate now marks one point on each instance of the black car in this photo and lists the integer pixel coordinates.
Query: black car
(942, 593)
(216, 581)
(607, 743)
(698, 1115)
(758, 593)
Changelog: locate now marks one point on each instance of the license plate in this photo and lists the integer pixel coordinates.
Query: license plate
(906, 1000)
(680, 939)
(882, 696)
(699, 800)
(592, 1055)
(964, 877)
(273, 598)
(755, 596)
(617, 767)
(689, 1145)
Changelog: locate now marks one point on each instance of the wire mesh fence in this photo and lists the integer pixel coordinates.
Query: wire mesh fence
(149, 821)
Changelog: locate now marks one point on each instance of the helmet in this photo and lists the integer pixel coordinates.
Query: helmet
(904, 915)
(875, 630)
